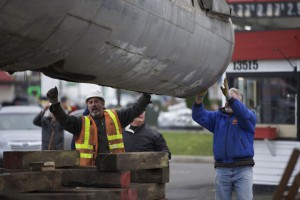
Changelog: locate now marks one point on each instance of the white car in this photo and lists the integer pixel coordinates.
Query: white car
(17, 131)
(174, 119)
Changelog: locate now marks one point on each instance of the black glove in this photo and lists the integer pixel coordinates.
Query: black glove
(147, 95)
(52, 95)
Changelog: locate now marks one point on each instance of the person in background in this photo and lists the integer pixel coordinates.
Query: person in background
(65, 105)
(233, 137)
(102, 126)
(52, 131)
(139, 137)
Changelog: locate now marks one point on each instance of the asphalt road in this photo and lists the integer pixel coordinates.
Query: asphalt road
(190, 181)
(195, 181)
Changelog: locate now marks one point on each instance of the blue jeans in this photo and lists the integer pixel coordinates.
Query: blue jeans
(239, 179)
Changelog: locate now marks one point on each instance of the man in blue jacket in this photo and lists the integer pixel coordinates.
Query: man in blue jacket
(233, 136)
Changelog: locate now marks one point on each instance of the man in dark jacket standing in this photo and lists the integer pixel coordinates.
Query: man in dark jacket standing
(139, 137)
(52, 131)
(233, 128)
(101, 130)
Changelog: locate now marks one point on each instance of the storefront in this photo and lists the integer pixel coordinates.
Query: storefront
(265, 68)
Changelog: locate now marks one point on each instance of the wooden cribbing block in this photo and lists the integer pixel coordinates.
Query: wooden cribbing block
(150, 191)
(132, 161)
(21, 159)
(3, 170)
(91, 177)
(81, 193)
(47, 196)
(42, 166)
(159, 175)
(29, 181)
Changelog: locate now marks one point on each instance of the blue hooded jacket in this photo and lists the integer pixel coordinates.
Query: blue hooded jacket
(233, 133)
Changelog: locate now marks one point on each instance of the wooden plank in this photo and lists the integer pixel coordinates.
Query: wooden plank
(131, 161)
(293, 190)
(29, 181)
(149, 191)
(286, 176)
(81, 193)
(159, 175)
(47, 196)
(269, 168)
(91, 177)
(3, 170)
(21, 159)
(42, 166)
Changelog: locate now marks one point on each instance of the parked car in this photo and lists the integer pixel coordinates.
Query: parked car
(178, 117)
(17, 132)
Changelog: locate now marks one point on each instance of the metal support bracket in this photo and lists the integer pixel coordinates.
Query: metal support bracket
(270, 147)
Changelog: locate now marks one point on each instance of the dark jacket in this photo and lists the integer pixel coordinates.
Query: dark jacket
(233, 133)
(144, 138)
(47, 128)
(73, 124)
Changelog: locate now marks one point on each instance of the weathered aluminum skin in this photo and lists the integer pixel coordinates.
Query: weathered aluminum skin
(167, 47)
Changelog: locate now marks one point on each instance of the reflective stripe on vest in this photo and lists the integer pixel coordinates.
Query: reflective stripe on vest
(86, 155)
(113, 117)
(85, 144)
(118, 135)
(116, 146)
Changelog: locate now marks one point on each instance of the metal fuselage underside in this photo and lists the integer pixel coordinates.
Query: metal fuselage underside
(167, 47)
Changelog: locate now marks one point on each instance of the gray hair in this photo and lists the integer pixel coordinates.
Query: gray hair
(238, 93)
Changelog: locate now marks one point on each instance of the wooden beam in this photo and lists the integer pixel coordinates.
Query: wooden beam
(12, 183)
(47, 196)
(91, 177)
(42, 166)
(149, 191)
(160, 175)
(131, 161)
(21, 159)
(293, 190)
(278, 195)
(82, 193)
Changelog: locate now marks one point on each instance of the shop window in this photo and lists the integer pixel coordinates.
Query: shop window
(273, 99)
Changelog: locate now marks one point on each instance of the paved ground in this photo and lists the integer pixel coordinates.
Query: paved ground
(192, 177)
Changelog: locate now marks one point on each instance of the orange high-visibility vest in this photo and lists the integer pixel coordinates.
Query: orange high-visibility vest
(87, 142)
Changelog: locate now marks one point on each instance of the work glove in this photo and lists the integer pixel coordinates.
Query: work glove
(147, 95)
(225, 89)
(200, 96)
(52, 95)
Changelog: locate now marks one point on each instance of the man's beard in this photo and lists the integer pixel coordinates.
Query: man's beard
(95, 113)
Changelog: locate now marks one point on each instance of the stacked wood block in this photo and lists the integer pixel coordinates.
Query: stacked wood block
(149, 171)
(57, 175)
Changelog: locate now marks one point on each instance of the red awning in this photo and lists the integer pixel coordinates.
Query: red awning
(5, 77)
(267, 45)
(257, 1)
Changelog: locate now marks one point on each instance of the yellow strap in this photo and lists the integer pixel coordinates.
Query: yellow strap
(116, 146)
(86, 155)
(114, 137)
(112, 115)
(85, 144)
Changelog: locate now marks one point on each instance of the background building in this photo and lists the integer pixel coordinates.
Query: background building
(265, 67)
